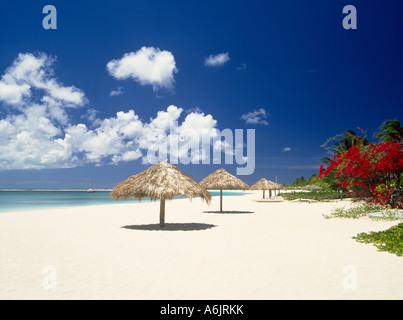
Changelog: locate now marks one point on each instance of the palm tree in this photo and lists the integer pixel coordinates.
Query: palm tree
(347, 140)
(390, 130)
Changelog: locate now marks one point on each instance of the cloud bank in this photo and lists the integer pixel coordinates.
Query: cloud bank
(29, 73)
(147, 66)
(37, 132)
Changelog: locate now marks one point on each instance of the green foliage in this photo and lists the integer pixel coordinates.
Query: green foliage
(390, 240)
(299, 182)
(355, 212)
(363, 210)
(391, 130)
(338, 145)
(326, 183)
(314, 195)
(343, 142)
(366, 170)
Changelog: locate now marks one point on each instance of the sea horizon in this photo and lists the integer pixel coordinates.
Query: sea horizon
(29, 199)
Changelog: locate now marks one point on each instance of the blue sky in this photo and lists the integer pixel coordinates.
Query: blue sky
(288, 66)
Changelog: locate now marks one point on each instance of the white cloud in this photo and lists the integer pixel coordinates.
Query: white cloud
(117, 92)
(286, 149)
(198, 122)
(256, 117)
(193, 133)
(194, 110)
(91, 116)
(12, 93)
(30, 72)
(38, 132)
(126, 137)
(38, 114)
(28, 141)
(147, 66)
(216, 60)
(165, 118)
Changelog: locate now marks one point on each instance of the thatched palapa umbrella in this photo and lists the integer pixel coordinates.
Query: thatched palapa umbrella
(264, 184)
(278, 185)
(222, 179)
(161, 181)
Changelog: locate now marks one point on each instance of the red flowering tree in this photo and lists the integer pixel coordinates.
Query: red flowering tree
(373, 172)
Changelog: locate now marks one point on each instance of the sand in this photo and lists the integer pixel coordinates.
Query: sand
(261, 251)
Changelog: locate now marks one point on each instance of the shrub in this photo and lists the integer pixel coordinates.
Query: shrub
(372, 172)
(362, 210)
(314, 195)
(390, 240)
(355, 212)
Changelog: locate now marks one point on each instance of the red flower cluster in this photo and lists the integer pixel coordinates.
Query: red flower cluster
(372, 172)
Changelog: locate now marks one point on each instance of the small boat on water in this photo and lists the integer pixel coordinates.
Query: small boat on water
(90, 189)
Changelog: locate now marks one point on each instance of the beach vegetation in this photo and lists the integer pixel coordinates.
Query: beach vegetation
(390, 240)
(326, 183)
(369, 171)
(362, 210)
(342, 143)
(391, 130)
(318, 195)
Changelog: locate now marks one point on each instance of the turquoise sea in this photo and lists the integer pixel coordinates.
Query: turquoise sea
(28, 200)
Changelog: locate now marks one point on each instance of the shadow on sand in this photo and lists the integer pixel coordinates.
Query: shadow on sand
(230, 212)
(171, 227)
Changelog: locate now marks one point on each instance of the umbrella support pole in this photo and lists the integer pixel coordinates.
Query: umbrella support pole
(220, 199)
(162, 212)
(263, 194)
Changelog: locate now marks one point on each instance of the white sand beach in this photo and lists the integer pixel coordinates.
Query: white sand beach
(283, 250)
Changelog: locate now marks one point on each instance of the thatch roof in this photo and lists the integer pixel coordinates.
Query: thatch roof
(264, 184)
(161, 181)
(278, 185)
(222, 179)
